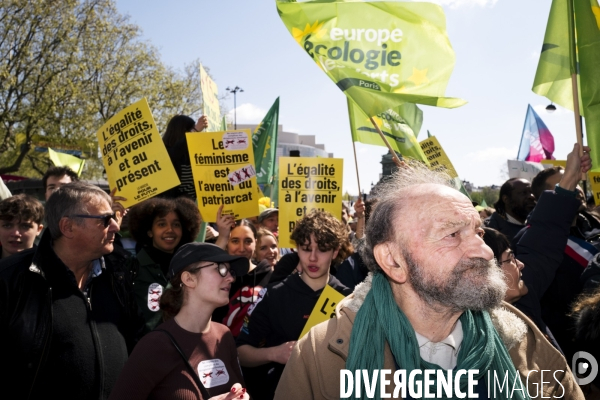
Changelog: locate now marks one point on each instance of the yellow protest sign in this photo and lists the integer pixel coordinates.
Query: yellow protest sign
(134, 155)
(595, 186)
(324, 309)
(555, 163)
(223, 170)
(306, 183)
(210, 101)
(437, 157)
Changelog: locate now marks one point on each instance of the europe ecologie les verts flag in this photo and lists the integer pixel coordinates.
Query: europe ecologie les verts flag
(264, 141)
(398, 131)
(381, 54)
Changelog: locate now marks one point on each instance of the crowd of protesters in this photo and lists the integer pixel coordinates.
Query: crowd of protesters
(432, 282)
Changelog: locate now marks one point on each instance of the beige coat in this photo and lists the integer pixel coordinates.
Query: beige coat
(313, 370)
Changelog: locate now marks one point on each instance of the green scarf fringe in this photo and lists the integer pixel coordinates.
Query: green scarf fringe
(380, 320)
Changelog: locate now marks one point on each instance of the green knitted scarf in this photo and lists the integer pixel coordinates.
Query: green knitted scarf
(380, 320)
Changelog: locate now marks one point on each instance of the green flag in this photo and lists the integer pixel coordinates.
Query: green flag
(380, 54)
(553, 75)
(397, 130)
(564, 53)
(67, 160)
(587, 23)
(483, 203)
(264, 142)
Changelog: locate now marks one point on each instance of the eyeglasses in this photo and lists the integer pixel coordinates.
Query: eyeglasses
(221, 269)
(511, 258)
(105, 218)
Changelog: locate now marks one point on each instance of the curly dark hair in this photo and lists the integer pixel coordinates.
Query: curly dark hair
(329, 232)
(141, 217)
(22, 206)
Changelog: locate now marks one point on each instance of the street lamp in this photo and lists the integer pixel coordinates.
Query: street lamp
(234, 91)
(550, 108)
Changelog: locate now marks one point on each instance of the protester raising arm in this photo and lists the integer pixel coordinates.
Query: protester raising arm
(541, 247)
(225, 222)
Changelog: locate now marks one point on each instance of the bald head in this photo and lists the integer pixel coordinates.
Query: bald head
(395, 201)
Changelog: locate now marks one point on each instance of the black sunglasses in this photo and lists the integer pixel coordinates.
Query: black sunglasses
(221, 269)
(105, 218)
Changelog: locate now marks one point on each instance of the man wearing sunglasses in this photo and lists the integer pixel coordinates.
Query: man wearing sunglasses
(67, 316)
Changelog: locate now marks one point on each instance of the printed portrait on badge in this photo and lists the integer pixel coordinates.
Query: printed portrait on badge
(155, 290)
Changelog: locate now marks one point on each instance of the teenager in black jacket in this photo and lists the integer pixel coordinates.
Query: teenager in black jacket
(278, 319)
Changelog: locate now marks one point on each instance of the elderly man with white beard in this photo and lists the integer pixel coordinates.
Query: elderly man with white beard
(429, 321)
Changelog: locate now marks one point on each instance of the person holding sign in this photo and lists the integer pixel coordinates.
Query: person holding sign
(241, 241)
(276, 322)
(188, 356)
(176, 144)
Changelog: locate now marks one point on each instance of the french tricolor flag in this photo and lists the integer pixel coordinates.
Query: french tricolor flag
(580, 250)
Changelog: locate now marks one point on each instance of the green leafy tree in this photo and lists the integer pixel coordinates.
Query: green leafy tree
(65, 68)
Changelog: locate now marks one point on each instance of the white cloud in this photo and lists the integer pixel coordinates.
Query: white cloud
(463, 3)
(493, 154)
(247, 113)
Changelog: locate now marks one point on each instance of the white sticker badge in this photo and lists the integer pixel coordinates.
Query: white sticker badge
(213, 373)
(235, 141)
(241, 175)
(154, 292)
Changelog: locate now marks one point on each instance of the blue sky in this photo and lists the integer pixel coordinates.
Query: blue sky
(244, 43)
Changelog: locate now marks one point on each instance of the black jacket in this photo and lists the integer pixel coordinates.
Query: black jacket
(502, 225)
(52, 334)
(541, 248)
(278, 318)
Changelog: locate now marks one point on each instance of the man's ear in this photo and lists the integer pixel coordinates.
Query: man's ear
(392, 264)
(40, 229)
(505, 198)
(66, 227)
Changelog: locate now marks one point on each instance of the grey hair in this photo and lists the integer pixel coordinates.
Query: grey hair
(390, 195)
(71, 199)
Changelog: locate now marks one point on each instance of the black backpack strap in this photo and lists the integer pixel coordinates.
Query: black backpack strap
(195, 376)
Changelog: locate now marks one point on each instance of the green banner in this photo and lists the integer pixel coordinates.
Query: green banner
(564, 53)
(381, 54)
(398, 131)
(264, 141)
(587, 23)
(553, 75)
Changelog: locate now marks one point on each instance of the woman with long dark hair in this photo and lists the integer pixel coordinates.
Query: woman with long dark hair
(176, 144)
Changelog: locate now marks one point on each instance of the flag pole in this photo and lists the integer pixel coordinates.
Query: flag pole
(356, 165)
(573, 60)
(397, 161)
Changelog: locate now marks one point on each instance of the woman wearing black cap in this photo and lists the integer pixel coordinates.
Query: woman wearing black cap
(188, 356)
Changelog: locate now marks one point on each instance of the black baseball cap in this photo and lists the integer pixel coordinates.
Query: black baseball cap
(194, 252)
